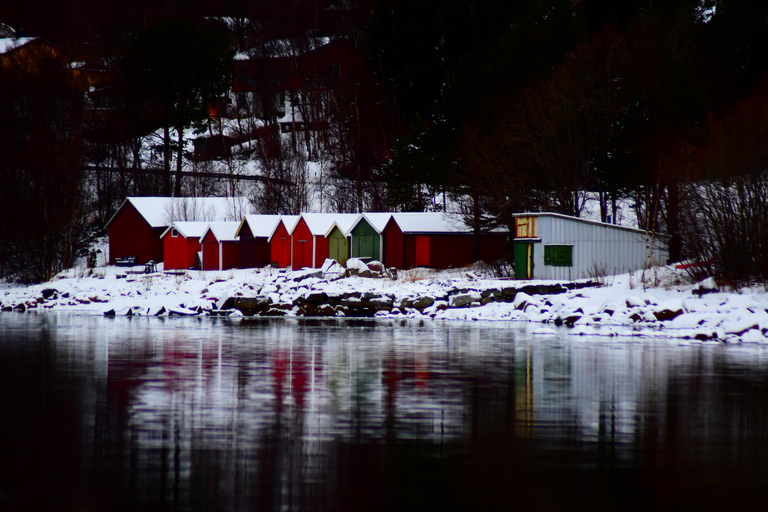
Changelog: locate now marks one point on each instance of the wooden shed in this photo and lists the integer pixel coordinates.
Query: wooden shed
(309, 240)
(366, 239)
(338, 245)
(556, 246)
(280, 241)
(220, 246)
(254, 233)
(136, 227)
(181, 243)
(437, 240)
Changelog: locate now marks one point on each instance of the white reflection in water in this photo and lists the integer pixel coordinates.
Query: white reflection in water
(257, 410)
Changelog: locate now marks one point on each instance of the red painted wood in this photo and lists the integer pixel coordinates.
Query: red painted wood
(322, 248)
(179, 252)
(393, 245)
(423, 254)
(131, 235)
(301, 241)
(210, 252)
(280, 247)
(230, 255)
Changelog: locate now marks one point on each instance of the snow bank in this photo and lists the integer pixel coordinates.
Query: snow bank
(622, 308)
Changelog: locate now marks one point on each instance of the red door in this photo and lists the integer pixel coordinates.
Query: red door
(303, 255)
(210, 255)
(422, 251)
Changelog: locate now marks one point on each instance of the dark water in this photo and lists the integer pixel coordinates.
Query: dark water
(192, 414)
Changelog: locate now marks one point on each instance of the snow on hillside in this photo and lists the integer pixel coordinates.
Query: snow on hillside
(655, 303)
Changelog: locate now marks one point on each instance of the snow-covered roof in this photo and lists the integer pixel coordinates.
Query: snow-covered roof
(579, 219)
(194, 229)
(222, 231)
(321, 224)
(289, 221)
(378, 221)
(431, 222)
(9, 43)
(163, 211)
(261, 226)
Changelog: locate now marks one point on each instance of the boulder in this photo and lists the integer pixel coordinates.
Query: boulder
(464, 299)
(251, 305)
(421, 302)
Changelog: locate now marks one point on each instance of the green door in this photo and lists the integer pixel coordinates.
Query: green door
(366, 241)
(523, 260)
(338, 246)
(365, 247)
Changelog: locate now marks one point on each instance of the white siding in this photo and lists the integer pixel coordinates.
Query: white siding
(597, 247)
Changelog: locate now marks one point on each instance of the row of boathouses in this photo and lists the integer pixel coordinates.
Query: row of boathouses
(544, 245)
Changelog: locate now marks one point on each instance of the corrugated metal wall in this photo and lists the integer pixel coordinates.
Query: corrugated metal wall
(598, 249)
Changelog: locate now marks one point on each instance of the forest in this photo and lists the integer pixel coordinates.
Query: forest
(488, 106)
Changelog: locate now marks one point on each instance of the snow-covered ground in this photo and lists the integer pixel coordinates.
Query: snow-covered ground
(654, 303)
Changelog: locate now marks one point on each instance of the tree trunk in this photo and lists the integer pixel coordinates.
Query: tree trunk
(179, 155)
(166, 161)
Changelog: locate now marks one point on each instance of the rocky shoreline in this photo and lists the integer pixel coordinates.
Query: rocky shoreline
(659, 305)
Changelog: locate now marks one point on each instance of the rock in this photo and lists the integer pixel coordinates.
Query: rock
(421, 302)
(301, 275)
(522, 299)
(464, 299)
(50, 293)
(669, 310)
(228, 303)
(635, 302)
(571, 318)
(667, 314)
(376, 266)
(325, 310)
(335, 271)
(379, 303)
(251, 305)
(315, 297)
(110, 312)
(274, 312)
(356, 264)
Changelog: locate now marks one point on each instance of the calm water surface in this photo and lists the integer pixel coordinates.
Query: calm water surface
(102, 414)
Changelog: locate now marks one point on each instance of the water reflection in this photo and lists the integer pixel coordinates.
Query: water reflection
(195, 414)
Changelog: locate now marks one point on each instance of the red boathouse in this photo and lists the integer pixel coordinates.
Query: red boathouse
(309, 239)
(136, 227)
(254, 232)
(436, 240)
(181, 243)
(280, 241)
(220, 247)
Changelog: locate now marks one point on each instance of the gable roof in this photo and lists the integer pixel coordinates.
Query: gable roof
(344, 222)
(289, 222)
(222, 231)
(163, 211)
(378, 221)
(430, 222)
(583, 221)
(261, 226)
(187, 229)
(321, 224)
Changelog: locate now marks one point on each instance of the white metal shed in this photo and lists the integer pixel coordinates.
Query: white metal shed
(556, 246)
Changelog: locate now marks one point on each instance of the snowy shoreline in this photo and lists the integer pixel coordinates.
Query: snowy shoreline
(655, 303)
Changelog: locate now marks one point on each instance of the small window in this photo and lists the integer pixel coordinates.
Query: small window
(174, 232)
(558, 255)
